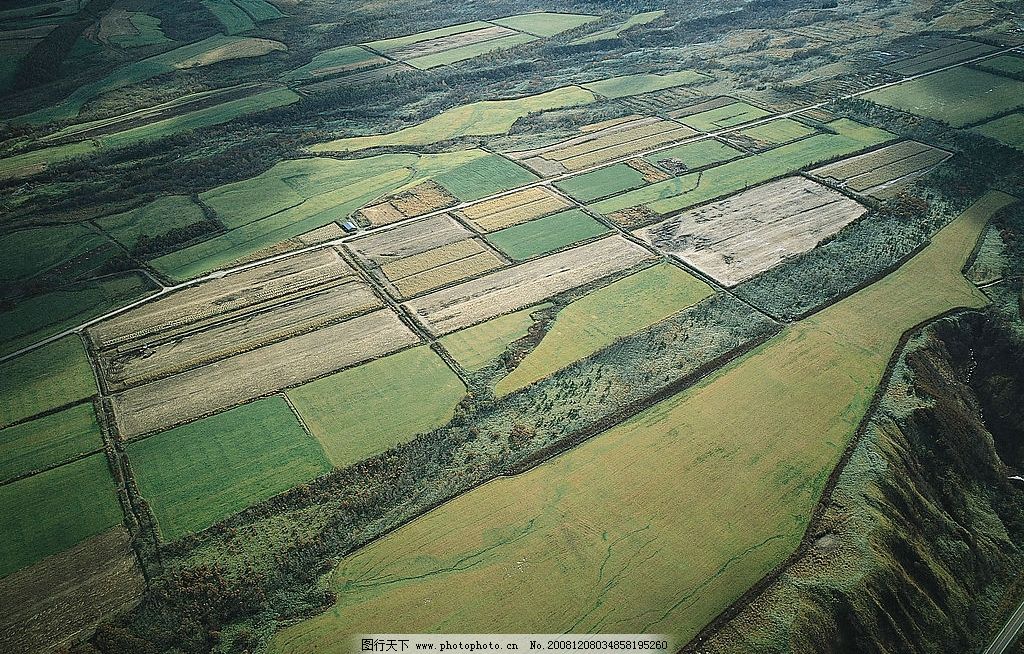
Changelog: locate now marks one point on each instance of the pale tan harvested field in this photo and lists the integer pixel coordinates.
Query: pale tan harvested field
(417, 263)
(141, 362)
(48, 604)
(423, 198)
(249, 47)
(383, 213)
(700, 107)
(514, 208)
(220, 297)
(449, 42)
(601, 145)
(882, 172)
(408, 240)
(650, 172)
(447, 273)
(243, 377)
(734, 239)
(328, 232)
(507, 290)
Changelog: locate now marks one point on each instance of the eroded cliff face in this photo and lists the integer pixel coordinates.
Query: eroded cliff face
(921, 544)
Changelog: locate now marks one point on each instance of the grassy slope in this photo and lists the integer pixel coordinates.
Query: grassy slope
(365, 410)
(545, 23)
(462, 53)
(683, 192)
(49, 512)
(617, 30)
(194, 475)
(28, 252)
(546, 234)
(385, 45)
(619, 87)
(600, 539)
(600, 318)
(154, 219)
(958, 97)
(49, 440)
(46, 378)
(348, 56)
(475, 347)
(487, 118)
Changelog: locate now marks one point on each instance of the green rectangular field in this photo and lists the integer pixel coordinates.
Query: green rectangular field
(544, 23)
(697, 155)
(1010, 65)
(1008, 129)
(40, 316)
(475, 347)
(202, 472)
(666, 519)
(48, 513)
(620, 87)
(693, 188)
(48, 441)
(230, 16)
(384, 45)
(618, 30)
(602, 182)
(778, 132)
(369, 409)
(28, 252)
(344, 58)
(46, 378)
(461, 53)
(147, 30)
(484, 176)
(730, 115)
(958, 97)
(152, 220)
(546, 234)
(601, 317)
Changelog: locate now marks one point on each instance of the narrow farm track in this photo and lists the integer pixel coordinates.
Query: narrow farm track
(539, 183)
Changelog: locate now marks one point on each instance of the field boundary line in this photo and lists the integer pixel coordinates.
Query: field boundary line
(542, 182)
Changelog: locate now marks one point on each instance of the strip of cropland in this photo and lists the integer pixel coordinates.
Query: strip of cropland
(598, 539)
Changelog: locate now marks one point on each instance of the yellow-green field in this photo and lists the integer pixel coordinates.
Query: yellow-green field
(475, 347)
(658, 524)
(600, 318)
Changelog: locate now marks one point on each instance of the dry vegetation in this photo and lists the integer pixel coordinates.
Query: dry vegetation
(514, 208)
(882, 173)
(420, 199)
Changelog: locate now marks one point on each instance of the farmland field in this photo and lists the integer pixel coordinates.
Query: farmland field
(958, 97)
(618, 30)
(475, 347)
(366, 410)
(46, 378)
(1010, 65)
(513, 209)
(49, 246)
(619, 87)
(734, 239)
(194, 475)
(572, 520)
(693, 188)
(944, 56)
(777, 132)
(546, 234)
(152, 220)
(599, 318)
(544, 23)
(1007, 129)
(49, 512)
(486, 118)
(464, 52)
(882, 172)
(453, 308)
(602, 182)
(722, 117)
(47, 441)
(695, 155)
(334, 61)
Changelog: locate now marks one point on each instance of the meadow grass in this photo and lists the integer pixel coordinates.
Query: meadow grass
(544, 23)
(616, 31)
(1008, 129)
(697, 154)
(366, 410)
(152, 220)
(730, 115)
(464, 52)
(49, 512)
(49, 440)
(149, 32)
(45, 378)
(230, 16)
(658, 524)
(602, 182)
(601, 317)
(199, 473)
(482, 176)
(777, 132)
(693, 188)
(346, 57)
(28, 252)
(546, 234)
(485, 118)
(1003, 64)
(958, 97)
(619, 87)
(386, 45)
(475, 347)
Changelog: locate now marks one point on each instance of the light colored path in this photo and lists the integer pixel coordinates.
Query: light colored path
(1009, 634)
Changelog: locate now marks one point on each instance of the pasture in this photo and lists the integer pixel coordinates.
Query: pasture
(1008, 129)
(48, 441)
(29, 252)
(241, 15)
(602, 182)
(485, 118)
(49, 512)
(751, 472)
(723, 117)
(152, 220)
(197, 474)
(513, 209)
(543, 235)
(694, 188)
(246, 376)
(1008, 65)
(776, 132)
(369, 409)
(617, 30)
(947, 55)
(450, 309)
(132, 29)
(620, 87)
(334, 61)
(476, 347)
(387, 45)
(603, 316)
(462, 53)
(544, 23)
(882, 172)
(692, 156)
(734, 239)
(46, 378)
(957, 97)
